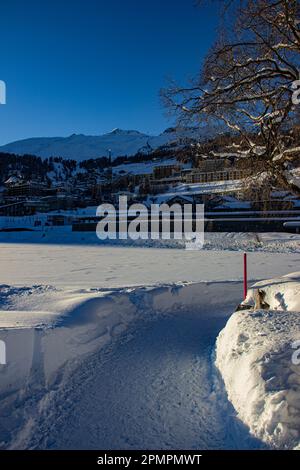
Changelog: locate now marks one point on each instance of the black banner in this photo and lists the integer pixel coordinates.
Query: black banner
(135, 459)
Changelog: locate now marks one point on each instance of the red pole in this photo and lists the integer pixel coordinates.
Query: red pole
(245, 276)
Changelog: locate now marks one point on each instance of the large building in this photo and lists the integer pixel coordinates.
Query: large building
(197, 176)
(25, 189)
(165, 171)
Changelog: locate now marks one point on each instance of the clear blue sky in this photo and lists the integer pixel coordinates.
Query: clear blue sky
(88, 66)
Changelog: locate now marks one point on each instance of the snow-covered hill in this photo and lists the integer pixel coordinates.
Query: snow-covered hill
(81, 147)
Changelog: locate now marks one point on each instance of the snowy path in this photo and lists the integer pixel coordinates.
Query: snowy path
(153, 389)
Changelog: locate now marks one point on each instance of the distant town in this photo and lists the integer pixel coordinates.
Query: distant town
(196, 173)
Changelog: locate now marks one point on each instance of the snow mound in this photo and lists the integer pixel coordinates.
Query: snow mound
(257, 354)
(280, 294)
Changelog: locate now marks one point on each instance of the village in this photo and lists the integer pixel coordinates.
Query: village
(219, 182)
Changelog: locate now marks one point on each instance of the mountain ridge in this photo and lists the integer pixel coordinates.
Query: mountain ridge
(119, 141)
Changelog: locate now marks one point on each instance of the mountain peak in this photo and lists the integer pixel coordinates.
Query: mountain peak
(118, 131)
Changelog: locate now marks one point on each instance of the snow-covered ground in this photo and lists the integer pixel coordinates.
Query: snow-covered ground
(258, 356)
(194, 189)
(112, 347)
(264, 242)
(128, 368)
(145, 168)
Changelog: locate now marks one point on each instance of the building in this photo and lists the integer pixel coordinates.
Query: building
(197, 176)
(14, 209)
(165, 171)
(163, 184)
(208, 165)
(25, 189)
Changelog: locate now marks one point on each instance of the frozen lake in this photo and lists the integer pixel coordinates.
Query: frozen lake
(112, 267)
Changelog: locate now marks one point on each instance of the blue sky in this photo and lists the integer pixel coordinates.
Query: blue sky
(88, 66)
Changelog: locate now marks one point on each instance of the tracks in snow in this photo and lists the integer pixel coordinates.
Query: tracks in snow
(154, 387)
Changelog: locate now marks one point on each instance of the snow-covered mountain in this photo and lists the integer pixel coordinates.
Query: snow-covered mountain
(120, 142)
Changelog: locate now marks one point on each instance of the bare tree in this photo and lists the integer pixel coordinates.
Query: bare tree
(247, 83)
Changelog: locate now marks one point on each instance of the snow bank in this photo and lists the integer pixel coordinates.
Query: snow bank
(256, 356)
(74, 323)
